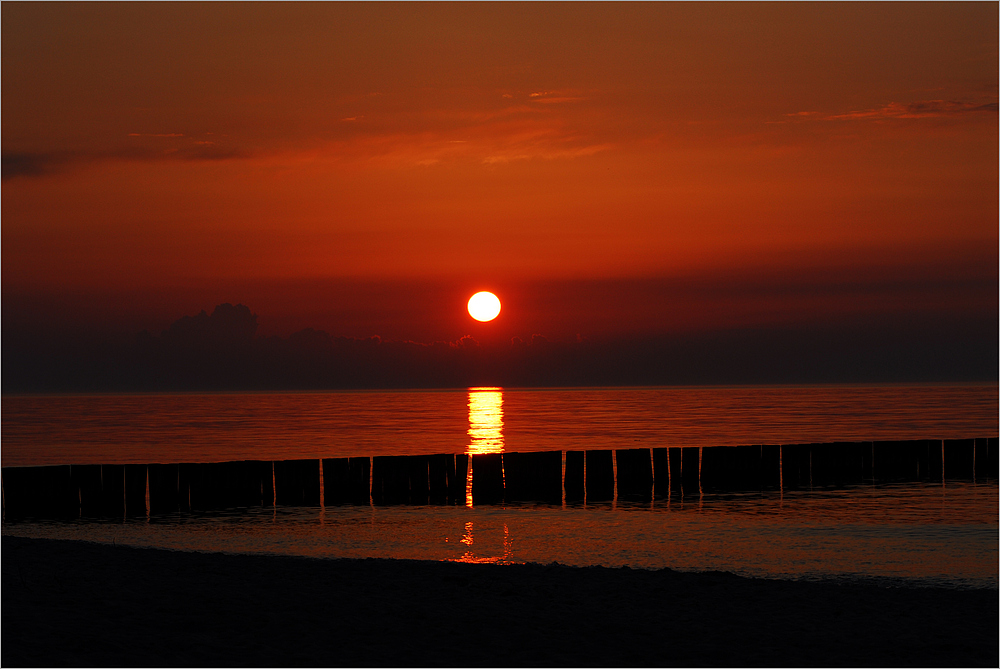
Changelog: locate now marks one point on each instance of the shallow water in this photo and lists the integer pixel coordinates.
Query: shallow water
(925, 534)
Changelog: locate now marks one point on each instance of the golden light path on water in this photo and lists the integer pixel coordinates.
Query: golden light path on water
(485, 421)
(485, 436)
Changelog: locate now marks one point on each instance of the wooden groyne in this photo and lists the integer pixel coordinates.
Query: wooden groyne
(123, 491)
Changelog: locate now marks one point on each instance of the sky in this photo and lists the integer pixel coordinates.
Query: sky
(608, 170)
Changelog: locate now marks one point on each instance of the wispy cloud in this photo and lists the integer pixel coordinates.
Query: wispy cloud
(30, 164)
(548, 153)
(916, 110)
(472, 125)
(26, 164)
(556, 97)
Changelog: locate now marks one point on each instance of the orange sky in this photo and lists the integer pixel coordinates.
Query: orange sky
(161, 158)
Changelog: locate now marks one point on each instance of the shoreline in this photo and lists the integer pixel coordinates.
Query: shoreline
(85, 604)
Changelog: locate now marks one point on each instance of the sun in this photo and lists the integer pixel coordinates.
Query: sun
(484, 306)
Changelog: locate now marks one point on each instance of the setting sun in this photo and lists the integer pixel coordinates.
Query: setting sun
(749, 261)
(484, 306)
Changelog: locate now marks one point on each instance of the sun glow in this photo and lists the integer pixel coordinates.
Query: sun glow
(484, 306)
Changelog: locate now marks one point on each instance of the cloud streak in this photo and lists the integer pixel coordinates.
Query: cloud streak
(912, 110)
(556, 97)
(452, 124)
(38, 164)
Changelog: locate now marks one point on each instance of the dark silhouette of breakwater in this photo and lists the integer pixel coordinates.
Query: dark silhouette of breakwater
(548, 477)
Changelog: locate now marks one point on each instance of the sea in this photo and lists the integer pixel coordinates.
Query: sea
(941, 533)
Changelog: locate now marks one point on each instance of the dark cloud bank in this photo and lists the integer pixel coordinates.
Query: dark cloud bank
(14, 164)
(222, 351)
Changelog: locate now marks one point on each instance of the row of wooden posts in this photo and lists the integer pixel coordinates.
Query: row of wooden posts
(548, 477)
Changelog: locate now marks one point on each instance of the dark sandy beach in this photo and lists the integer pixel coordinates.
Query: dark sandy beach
(74, 603)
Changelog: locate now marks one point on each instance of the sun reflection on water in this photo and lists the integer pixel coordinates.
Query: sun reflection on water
(485, 421)
(485, 437)
(485, 429)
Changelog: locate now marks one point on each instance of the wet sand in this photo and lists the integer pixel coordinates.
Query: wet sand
(76, 603)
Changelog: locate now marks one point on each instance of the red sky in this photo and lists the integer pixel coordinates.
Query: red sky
(607, 169)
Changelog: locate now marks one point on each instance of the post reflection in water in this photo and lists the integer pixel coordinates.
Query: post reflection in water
(485, 429)
(470, 556)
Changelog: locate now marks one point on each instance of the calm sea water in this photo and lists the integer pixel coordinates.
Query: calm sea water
(123, 429)
(942, 534)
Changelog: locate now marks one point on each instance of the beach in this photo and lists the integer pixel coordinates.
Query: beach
(86, 604)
